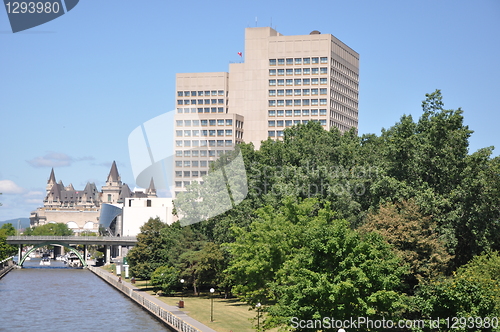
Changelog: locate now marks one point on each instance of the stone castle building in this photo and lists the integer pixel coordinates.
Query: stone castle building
(80, 209)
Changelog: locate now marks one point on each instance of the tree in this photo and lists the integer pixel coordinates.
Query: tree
(302, 262)
(55, 229)
(473, 291)
(414, 237)
(166, 279)
(147, 255)
(6, 250)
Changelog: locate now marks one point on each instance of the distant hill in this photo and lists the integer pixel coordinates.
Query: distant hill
(25, 222)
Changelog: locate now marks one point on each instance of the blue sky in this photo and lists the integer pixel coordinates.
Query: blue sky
(73, 89)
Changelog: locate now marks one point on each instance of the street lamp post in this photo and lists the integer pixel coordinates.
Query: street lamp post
(258, 316)
(212, 307)
(181, 302)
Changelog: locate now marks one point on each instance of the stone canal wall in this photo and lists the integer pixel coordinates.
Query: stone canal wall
(152, 305)
(5, 266)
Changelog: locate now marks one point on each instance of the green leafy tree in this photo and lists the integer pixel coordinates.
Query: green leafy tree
(6, 250)
(55, 229)
(148, 254)
(165, 279)
(473, 291)
(414, 238)
(303, 262)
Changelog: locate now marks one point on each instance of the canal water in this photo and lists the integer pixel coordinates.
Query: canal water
(58, 298)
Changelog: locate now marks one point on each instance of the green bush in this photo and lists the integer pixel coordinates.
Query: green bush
(165, 278)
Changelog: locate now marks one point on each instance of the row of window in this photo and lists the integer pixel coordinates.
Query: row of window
(298, 61)
(201, 110)
(345, 70)
(200, 153)
(200, 93)
(180, 184)
(203, 143)
(298, 71)
(344, 89)
(188, 174)
(297, 102)
(344, 109)
(289, 123)
(298, 92)
(299, 81)
(200, 101)
(196, 123)
(203, 133)
(193, 163)
(296, 112)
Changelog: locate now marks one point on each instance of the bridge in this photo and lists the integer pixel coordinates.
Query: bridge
(67, 241)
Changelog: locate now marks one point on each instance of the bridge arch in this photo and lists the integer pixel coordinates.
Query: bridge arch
(36, 246)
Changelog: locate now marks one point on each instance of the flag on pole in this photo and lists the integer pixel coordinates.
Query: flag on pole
(240, 54)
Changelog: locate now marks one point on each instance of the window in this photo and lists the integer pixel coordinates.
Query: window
(203, 163)
(289, 71)
(297, 92)
(297, 102)
(195, 163)
(271, 133)
(179, 110)
(314, 60)
(203, 153)
(220, 92)
(281, 82)
(322, 112)
(272, 103)
(178, 184)
(314, 92)
(272, 62)
(288, 112)
(187, 153)
(279, 133)
(200, 110)
(220, 109)
(296, 122)
(314, 81)
(314, 112)
(193, 101)
(289, 82)
(211, 132)
(305, 112)
(186, 183)
(322, 91)
(178, 174)
(272, 72)
(324, 59)
(212, 122)
(195, 174)
(272, 82)
(307, 71)
(180, 102)
(187, 174)
(213, 109)
(306, 81)
(271, 123)
(314, 102)
(178, 133)
(214, 101)
(305, 121)
(220, 132)
(179, 94)
(211, 153)
(289, 92)
(187, 143)
(179, 123)
(214, 93)
(289, 61)
(298, 61)
(200, 93)
(322, 122)
(288, 102)
(211, 143)
(178, 143)
(195, 153)
(186, 94)
(203, 142)
(187, 133)
(196, 143)
(279, 123)
(178, 153)
(281, 92)
(323, 80)
(229, 132)
(296, 112)
(272, 93)
(203, 173)
(229, 122)
(280, 112)
(220, 101)
(186, 102)
(281, 102)
(288, 123)
(298, 81)
(204, 133)
(281, 62)
(305, 102)
(229, 142)
(220, 122)
(307, 61)
(281, 72)
(196, 133)
(298, 71)
(271, 113)
(178, 163)
(314, 71)
(323, 70)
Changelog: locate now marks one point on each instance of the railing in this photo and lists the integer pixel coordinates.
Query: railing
(6, 265)
(79, 238)
(172, 320)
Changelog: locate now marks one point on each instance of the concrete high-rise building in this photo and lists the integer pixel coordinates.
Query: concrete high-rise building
(283, 81)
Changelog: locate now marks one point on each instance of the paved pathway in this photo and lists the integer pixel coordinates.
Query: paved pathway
(173, 309)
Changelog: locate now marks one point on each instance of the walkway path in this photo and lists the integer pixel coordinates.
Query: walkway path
(175, 319)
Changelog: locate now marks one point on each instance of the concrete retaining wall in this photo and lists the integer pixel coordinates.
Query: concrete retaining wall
(173, 322)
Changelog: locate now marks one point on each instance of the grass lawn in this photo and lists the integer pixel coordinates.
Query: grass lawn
(229, 314)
